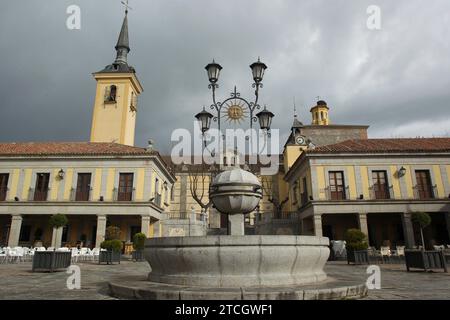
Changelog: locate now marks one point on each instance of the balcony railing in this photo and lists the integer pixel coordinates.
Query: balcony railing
(3, 193)
(158, 199)
(336, 194)
(427, 193)
(38, 195)
(126, 194)
(377, 194)
(178, 215)
(285, 215)
(76, 195)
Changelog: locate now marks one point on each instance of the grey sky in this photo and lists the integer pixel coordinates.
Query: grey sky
(396, 79)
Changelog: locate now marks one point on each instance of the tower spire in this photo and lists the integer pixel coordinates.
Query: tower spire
(295, 109)
(123, 45)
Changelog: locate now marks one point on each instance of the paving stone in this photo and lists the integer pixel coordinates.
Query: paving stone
(18, 282)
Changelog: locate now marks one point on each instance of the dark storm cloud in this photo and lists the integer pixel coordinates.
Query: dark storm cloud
(396, 79)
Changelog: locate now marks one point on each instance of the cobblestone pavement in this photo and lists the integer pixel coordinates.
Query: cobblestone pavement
(18, 282)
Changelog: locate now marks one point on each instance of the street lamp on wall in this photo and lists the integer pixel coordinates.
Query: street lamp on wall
(401, 172)
(61, 174)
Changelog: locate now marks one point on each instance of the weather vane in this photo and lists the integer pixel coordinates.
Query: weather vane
(125, 3)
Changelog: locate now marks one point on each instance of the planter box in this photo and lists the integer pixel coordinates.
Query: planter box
(425, 260)
(137, 255)
(51, 261)
(358, 256)
(109, 257)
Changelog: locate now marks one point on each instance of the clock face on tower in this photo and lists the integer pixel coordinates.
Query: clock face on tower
(300, 140)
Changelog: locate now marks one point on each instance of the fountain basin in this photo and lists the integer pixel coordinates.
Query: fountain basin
(237, 261)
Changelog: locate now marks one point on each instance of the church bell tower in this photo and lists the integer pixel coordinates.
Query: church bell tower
(118, 88)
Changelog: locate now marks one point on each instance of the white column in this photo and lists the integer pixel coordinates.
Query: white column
(145, 225)
(101, 230)
(362, 222)
(318, 225)
(14, 231)
(408, 231)
(57, 237)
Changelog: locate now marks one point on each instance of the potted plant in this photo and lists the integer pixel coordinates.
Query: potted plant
(138, 246)
(112, 246)
(356, 245)
(422, 259)
(57, 222)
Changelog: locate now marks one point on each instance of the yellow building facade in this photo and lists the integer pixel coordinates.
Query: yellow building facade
(104, 182)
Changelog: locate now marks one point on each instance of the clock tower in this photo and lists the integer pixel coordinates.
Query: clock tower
(115, 105)
(295, 145)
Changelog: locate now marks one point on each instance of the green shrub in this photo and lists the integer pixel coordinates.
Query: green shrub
(355, 240)
(112, 233)
(112, 245)
(139, 241)
(423, 219)
(58, 220)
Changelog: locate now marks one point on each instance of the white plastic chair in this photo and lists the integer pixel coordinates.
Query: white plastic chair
(3, 256)
(75, 254)
(95, 253)
(400, 250)
(385, 252)
(13, 256)
(339, 248)
(84, 253)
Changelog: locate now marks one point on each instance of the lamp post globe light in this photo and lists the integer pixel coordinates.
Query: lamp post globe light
(258, 69)
(265, 119)
(237, 108)
(204, 118)
(213, 70)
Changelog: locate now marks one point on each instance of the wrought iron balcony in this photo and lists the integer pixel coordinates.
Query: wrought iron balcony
(158, 199)
(80, 195)
(336, 193)
(123, 194)
(377, 193)
(38, 195)
(425, 192)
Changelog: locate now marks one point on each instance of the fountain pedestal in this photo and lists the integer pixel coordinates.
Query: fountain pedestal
(236, 225)
(235, 266)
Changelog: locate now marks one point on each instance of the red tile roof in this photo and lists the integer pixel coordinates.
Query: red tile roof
(407, 145)
(68, 149)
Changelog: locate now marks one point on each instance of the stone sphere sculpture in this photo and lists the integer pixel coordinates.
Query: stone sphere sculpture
(235, 191)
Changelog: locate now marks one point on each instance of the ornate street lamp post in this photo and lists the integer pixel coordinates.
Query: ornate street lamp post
(236, 107)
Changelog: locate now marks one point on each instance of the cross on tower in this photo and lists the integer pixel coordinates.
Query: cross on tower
(125, 3)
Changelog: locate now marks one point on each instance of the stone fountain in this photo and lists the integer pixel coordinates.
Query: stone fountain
(236, 266)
